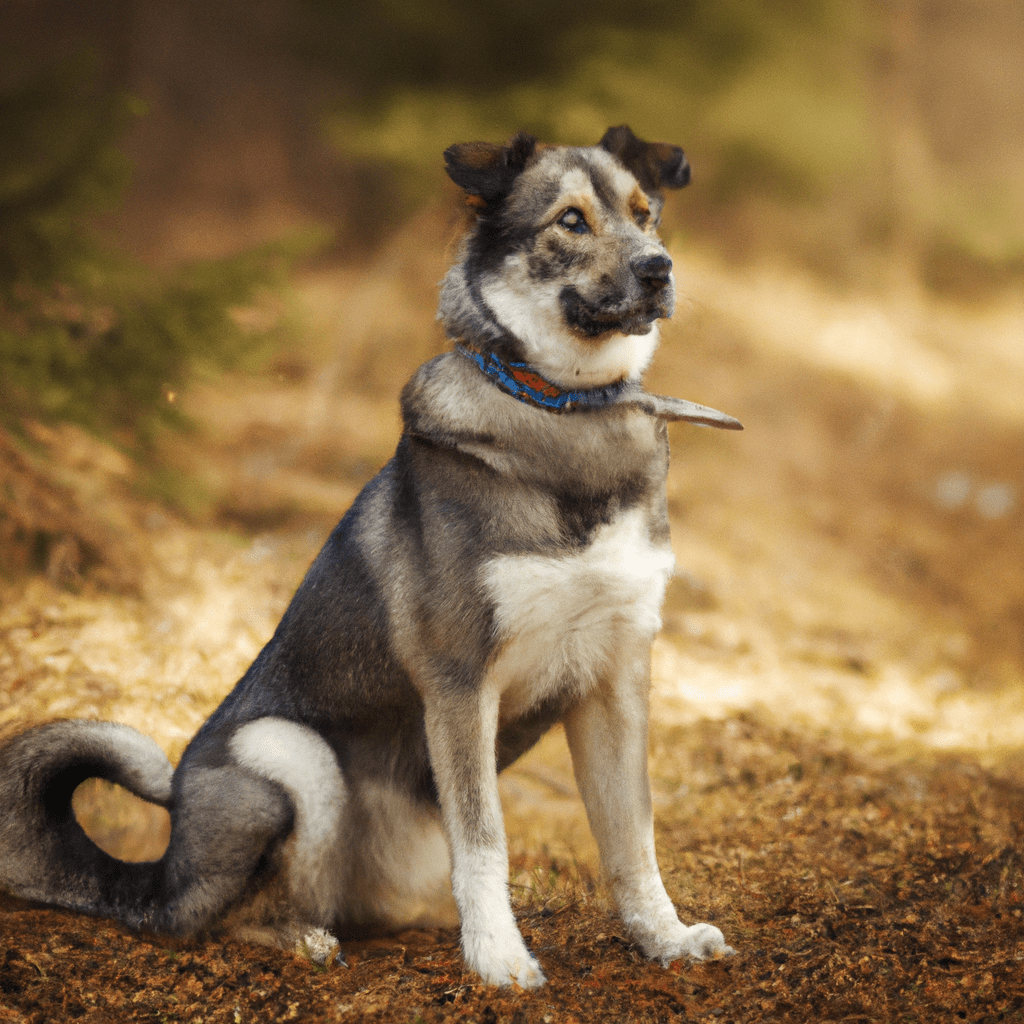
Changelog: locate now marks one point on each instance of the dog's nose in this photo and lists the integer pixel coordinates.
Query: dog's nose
(653, 271)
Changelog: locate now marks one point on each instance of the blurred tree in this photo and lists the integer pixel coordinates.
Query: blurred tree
(86, 334)
(466, 46)
(738, 81)
(89, 337)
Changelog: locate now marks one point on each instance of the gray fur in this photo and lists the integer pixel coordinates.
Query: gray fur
(501, 573)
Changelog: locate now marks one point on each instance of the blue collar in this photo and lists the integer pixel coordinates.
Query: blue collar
(524, 383)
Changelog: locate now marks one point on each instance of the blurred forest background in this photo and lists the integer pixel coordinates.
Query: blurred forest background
(222, 225)
(189, 189)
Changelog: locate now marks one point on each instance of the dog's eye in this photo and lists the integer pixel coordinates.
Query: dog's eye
(574, 221)
(642, 217)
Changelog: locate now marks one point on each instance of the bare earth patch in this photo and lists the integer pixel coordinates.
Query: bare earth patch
(854, 889)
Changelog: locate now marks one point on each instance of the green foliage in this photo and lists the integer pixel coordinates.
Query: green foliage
(397, 45)
(57, 162)
(85, 334)
(730, 79)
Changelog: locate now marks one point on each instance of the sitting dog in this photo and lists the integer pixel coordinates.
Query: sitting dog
(503, 572)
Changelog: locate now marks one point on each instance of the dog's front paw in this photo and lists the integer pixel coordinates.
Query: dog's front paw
(506, 962)
(703, 942)
(696, 942)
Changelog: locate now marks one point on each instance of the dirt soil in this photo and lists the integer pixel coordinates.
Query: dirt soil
(838, 693)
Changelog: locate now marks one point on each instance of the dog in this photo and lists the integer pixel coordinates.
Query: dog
(503, 572)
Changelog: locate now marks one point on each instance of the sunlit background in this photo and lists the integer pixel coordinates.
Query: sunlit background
(222, 228)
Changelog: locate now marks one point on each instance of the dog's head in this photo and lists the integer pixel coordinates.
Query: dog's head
(564, 268)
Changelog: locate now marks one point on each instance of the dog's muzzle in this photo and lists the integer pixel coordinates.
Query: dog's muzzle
(643, 294)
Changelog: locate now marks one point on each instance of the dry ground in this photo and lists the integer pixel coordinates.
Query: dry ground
(838, 697)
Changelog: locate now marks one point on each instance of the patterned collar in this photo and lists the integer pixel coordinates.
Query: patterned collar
(518, 380)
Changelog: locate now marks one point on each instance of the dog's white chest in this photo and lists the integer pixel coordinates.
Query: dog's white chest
(571, 620)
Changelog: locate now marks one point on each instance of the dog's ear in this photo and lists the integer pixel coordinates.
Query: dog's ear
(487, 170)
(656, 165)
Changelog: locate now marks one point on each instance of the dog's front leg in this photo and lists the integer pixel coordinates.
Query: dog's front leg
(461, 733)
(607, 736)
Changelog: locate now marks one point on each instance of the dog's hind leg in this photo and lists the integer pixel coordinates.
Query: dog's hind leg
(607, 736)
(282, 779)
(461, 733)
(300, 761)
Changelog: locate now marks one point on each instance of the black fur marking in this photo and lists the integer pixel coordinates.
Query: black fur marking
(555, 257)
(656, 165)
(581, 513)
(487, 170)
(592, 318)
(603, 188)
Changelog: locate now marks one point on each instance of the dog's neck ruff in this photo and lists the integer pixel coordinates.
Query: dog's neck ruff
(521, 381)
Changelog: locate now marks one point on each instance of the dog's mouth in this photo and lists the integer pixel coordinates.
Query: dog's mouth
(593, 318)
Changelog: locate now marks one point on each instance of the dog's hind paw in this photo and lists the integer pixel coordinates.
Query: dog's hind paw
(317, 944)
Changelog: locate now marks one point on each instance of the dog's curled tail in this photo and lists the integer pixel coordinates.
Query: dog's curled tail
(45, 854)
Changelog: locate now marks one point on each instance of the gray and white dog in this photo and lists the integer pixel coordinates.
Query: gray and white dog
(503, 572)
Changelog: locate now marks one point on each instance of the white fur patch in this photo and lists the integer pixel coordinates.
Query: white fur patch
(299, 759)
(532, 312)
(400, 872)
(575, 616)
(317, 945)
(491, 942)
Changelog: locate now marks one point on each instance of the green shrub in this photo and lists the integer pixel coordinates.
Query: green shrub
(87, 334)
